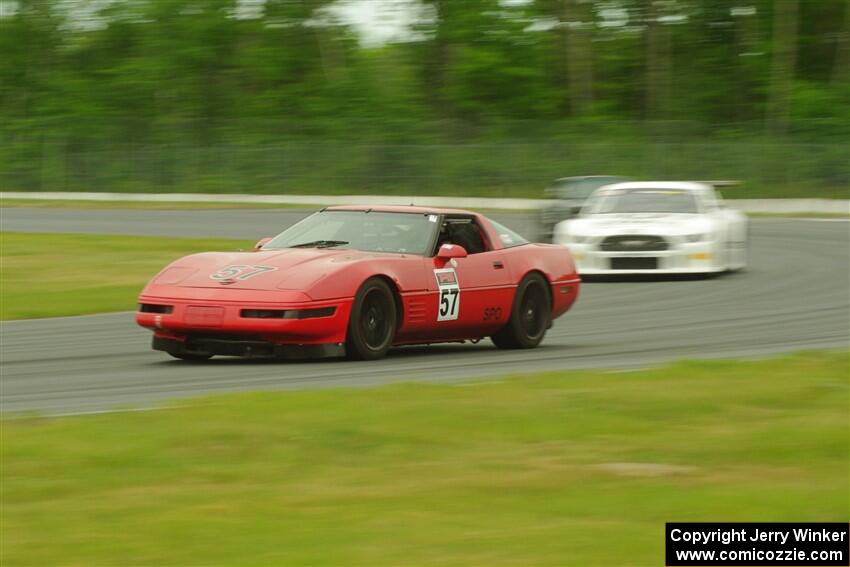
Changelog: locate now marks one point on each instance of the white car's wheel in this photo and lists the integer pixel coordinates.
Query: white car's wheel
(740, 257)
(737, 254)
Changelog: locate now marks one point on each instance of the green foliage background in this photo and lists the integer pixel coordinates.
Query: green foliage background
(483, 97)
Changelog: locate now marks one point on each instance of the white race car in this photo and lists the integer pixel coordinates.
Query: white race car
(655, 227)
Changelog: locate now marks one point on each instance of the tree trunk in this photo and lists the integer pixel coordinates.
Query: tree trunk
(783, 62)
(841, 68)
(578, 31)
(746, 38)
(657, 64)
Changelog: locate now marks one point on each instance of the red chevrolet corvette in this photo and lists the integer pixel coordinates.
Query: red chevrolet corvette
(357, 280)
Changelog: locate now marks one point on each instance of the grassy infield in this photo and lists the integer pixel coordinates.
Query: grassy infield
(572, 468)
(563, 468)
(49, 275)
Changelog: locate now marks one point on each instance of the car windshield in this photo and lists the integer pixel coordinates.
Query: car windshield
(581, 188)
(607, 201)
(371, 231)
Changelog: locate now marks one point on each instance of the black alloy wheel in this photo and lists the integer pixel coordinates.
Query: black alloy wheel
(534, 312)
(530, 315)
(373, 321)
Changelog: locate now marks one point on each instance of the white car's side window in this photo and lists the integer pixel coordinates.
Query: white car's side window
(709, 202)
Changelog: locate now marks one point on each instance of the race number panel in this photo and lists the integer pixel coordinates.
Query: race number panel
(448, 297)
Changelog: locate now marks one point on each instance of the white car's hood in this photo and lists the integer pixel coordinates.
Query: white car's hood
(637, 223)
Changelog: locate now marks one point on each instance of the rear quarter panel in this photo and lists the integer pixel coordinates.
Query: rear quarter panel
(555, 263)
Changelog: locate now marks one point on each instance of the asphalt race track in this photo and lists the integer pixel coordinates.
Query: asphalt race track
(793, 296)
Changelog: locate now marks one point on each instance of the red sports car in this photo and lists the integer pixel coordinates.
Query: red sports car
(357, 280)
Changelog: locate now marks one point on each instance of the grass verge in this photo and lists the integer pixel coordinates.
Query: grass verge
(50, 275)
(571, 468)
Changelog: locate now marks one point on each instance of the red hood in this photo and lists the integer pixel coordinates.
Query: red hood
(292, 268)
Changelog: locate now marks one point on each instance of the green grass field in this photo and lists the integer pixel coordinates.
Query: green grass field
(49, 275)
(571, 468)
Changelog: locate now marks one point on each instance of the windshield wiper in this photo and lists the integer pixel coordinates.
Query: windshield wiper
(320, 244)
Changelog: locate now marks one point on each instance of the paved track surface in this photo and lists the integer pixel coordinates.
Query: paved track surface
(220, 223)
(794, 296)
(252, 224)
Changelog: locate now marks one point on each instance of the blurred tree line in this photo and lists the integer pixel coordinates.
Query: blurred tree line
(489, 96)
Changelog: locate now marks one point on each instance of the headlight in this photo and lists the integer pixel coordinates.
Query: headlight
(698, 237)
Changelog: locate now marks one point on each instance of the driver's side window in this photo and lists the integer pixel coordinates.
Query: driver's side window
(463, 231)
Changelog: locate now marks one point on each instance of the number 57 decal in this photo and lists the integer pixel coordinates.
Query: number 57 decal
(449, 295)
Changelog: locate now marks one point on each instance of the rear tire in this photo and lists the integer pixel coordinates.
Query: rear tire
(372, 323)
(531, 315)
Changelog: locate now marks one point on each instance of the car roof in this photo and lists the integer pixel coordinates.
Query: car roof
(681, 185)
(400, 209)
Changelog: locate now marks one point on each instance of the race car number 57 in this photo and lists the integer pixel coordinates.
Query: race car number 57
(449, 295)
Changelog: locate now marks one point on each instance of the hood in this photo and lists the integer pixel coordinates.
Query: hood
(638, 223)
(291, 268)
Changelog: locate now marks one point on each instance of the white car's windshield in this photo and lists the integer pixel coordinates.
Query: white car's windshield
(607, 201)
(371, 231)
(580, 188)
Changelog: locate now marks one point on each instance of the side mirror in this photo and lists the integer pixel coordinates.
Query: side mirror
(262, 242)
(575, 210)
(449, 251)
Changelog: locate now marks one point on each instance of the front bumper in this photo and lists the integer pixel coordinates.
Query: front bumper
(229, 345)
(680, 258)
(258, 323)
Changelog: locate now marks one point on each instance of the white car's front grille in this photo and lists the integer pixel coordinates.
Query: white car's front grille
(650, 263)
(633, 243)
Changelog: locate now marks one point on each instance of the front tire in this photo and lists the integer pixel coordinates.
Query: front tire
(373, 321)
(737, 252)
(190, 357)
(531, 314)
